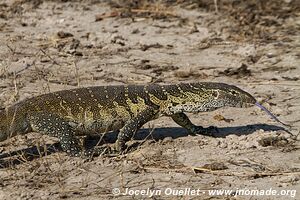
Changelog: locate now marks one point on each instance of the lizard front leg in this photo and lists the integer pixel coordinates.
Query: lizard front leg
(183, 120)
(131, 126)
(53, 125)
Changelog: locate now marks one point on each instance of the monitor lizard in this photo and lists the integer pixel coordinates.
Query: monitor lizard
(76, 112)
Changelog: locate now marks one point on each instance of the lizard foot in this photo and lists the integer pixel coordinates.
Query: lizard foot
(210, 131)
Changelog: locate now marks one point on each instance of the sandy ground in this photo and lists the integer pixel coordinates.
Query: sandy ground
(47, 46)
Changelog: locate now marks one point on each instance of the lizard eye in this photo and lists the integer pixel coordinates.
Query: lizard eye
(215, 94)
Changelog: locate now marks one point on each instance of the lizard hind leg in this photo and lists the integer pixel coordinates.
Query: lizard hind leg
(132, 125)
(55, 126)
(183, 120)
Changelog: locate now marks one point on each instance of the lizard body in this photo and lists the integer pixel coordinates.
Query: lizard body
(91, 110)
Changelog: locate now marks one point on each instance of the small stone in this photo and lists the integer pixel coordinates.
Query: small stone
(223, 145)
(62, 34)
(167, 140)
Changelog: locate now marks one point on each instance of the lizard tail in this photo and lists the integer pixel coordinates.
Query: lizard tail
(271, 115)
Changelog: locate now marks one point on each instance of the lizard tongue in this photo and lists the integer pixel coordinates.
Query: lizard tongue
(271, 115)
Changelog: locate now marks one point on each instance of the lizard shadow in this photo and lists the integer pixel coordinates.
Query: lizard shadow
(177, 132)
(13, 158)
(20, 156)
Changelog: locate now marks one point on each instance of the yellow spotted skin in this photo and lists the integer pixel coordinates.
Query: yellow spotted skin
(93, 110)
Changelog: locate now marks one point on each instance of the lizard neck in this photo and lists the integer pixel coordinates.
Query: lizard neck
(191, 106)
(190, 98)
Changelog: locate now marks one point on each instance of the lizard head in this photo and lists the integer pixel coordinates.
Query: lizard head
(232, 96)
(209, 96)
